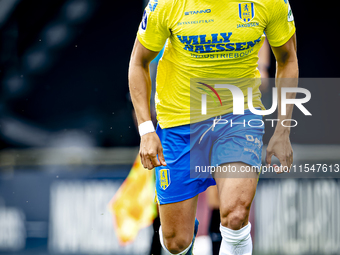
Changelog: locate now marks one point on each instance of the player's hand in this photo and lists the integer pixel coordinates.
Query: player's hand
(150, 147)
(280, 147)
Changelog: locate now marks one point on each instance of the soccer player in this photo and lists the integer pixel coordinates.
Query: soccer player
(208, 39)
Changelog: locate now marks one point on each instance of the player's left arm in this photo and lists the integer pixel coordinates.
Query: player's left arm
(287, 73)
(263, 65)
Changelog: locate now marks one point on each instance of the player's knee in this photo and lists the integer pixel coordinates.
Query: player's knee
(177, 244)
(234, 219)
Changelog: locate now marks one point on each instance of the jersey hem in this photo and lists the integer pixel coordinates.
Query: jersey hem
(175, 199)
(170, 124)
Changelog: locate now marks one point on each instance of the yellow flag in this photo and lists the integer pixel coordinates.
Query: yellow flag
(133, 205)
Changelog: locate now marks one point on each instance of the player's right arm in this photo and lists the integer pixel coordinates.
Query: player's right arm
(140, 91)
(151, 37)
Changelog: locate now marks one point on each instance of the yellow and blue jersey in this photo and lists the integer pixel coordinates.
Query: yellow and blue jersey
(209, 39)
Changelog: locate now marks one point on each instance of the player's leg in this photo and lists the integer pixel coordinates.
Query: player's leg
(236, 196)
(177, 192)
(237, 151)
(177, 225)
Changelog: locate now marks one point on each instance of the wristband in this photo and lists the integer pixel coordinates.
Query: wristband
(146, 127)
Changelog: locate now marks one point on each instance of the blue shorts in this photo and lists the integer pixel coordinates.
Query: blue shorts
(205, 144)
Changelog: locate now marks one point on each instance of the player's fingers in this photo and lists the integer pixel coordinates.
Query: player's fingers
(151, 166)
(284, 166)
(269, 155)
(161, 156)
(290, 160)
(289, 164)
(154, 160)
(148, 162)
(145, 160)
(142, 159)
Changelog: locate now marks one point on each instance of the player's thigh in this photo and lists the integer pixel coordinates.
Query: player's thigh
(178, 219)
(236, 192)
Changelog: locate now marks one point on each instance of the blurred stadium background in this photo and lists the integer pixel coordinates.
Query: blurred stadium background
(68, 140)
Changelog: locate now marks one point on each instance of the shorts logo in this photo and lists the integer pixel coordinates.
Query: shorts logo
(164, 178)
(246, 11)
(144, 20)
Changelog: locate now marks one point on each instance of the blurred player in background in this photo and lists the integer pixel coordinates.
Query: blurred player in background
(197, 29)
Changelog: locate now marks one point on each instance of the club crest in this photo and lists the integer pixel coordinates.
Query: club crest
(164, 179)
(246, 11)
